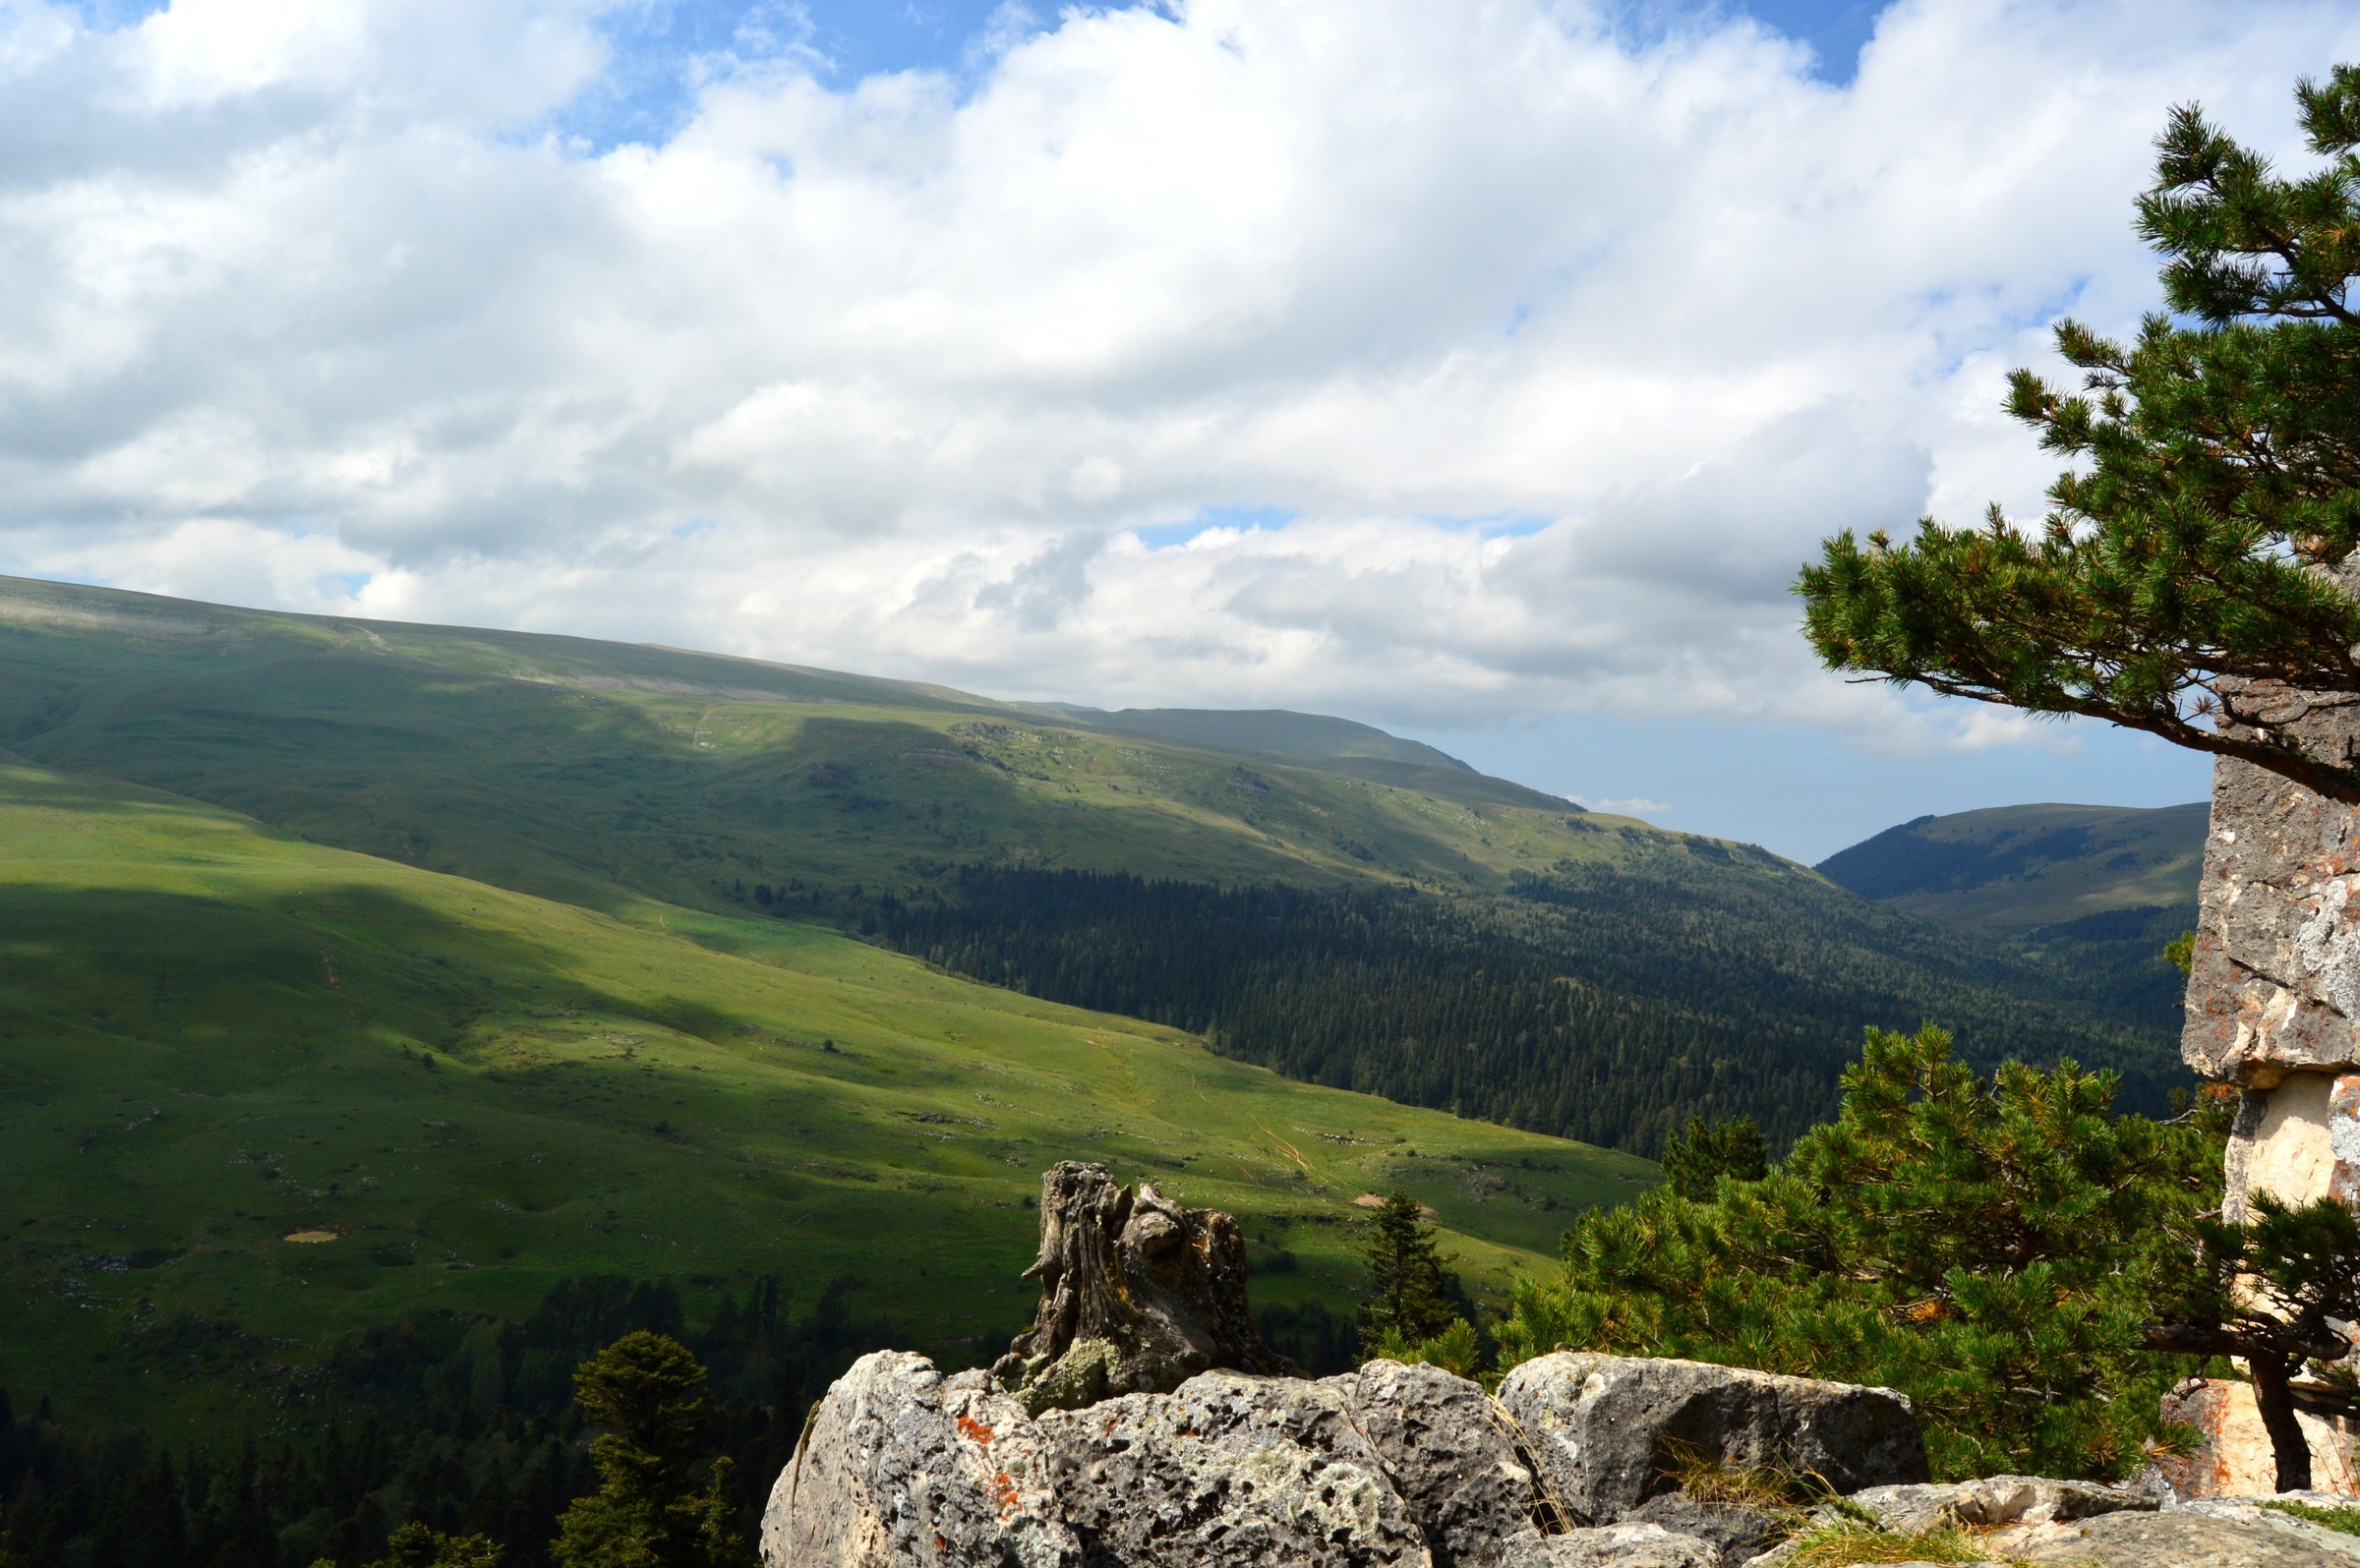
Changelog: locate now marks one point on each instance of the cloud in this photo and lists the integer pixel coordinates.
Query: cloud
(326, 307)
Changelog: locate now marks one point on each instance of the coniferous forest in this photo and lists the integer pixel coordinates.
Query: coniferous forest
(1607, 1002)
(466, 1425)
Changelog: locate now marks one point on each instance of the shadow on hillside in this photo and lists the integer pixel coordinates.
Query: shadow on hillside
(289, 969)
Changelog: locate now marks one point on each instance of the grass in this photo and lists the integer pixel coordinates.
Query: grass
(2346, 1520)
(215, 1036)
(1765, 1489)
(1847, 1543)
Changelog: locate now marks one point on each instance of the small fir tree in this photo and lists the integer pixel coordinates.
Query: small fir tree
(650, 1509)
(1411, 1292)
(1694, 1161)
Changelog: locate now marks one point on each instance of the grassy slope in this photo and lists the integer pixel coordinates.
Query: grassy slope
(211, 1036)
(600, 774)
(590, 770)
(1310, 737)
(2008, 870)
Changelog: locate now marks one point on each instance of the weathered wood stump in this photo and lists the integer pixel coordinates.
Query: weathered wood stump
(1138, 1295)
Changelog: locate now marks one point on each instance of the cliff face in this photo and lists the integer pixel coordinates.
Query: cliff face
(2274, 997)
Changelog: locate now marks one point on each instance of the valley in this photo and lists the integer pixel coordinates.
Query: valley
(214, 1037)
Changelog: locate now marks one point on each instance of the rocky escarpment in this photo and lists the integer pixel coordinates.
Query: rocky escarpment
(1141, 1424)
(1577, 1465)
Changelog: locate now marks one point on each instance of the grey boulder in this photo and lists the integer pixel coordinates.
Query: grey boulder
(2176, 1539)
(901, 1468)
(1736, 1534)
(1447, 1453)
(1998, 1501)
(1229, 1470)
(1605, 1431)
(1635, 1545)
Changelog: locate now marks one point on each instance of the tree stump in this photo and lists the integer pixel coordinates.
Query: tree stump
(1138, 1295)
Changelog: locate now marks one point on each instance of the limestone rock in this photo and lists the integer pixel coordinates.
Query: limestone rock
(2275, 979)
(901, 1469)
(1229, 1470)
(1136, 1294)
(1734, 1534)
(1636, 1545)
(1997, 1500)
(1604, 1429)
(2233, 1456)
(1447, 1455)
(2176, 1539)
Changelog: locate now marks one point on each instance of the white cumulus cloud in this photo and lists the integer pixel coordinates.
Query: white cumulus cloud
(1537, 358)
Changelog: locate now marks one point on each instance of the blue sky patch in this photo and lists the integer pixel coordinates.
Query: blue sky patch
(1163, 536)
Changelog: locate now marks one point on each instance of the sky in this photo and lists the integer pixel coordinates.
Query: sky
(1479, 369)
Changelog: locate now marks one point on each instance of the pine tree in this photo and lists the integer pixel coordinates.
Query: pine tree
(1694, 1161)
(2279, 1290)
(1411, 1291)
(414, 1546)
(650, 1510)
(1995, 1247)
(2197, 569)
(2188, 572)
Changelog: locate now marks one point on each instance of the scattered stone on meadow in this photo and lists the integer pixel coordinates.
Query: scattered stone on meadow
(1996, 1501)
(1630, 1545)
(2175, 1539)
(1736, 1534)
(1605, 1429)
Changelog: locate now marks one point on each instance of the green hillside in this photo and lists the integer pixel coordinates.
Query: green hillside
(1570, 972)
(215, 1036)
(2010, 869)
(2089, 892)
(591, 771)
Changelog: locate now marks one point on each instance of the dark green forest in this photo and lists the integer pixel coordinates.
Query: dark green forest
(466, 1425)
(463, 1423)
(1607, 1002)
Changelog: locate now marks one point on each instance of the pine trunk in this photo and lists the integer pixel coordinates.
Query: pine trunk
(2273, 1395)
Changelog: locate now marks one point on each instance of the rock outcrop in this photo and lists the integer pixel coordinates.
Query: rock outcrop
(2233, 1457)
(901, 1467)
(1142, 1424)
(1229, 1471)
(1447, 1450)
(1607, 1430)
(1137, 1295)
(2274, 1007)
(1407, 1467)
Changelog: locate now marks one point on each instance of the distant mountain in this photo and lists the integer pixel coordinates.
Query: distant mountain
(2010, 869)
(2096, 891)
(1306, 892)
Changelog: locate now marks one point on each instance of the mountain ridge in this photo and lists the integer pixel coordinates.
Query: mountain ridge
(608, 775)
